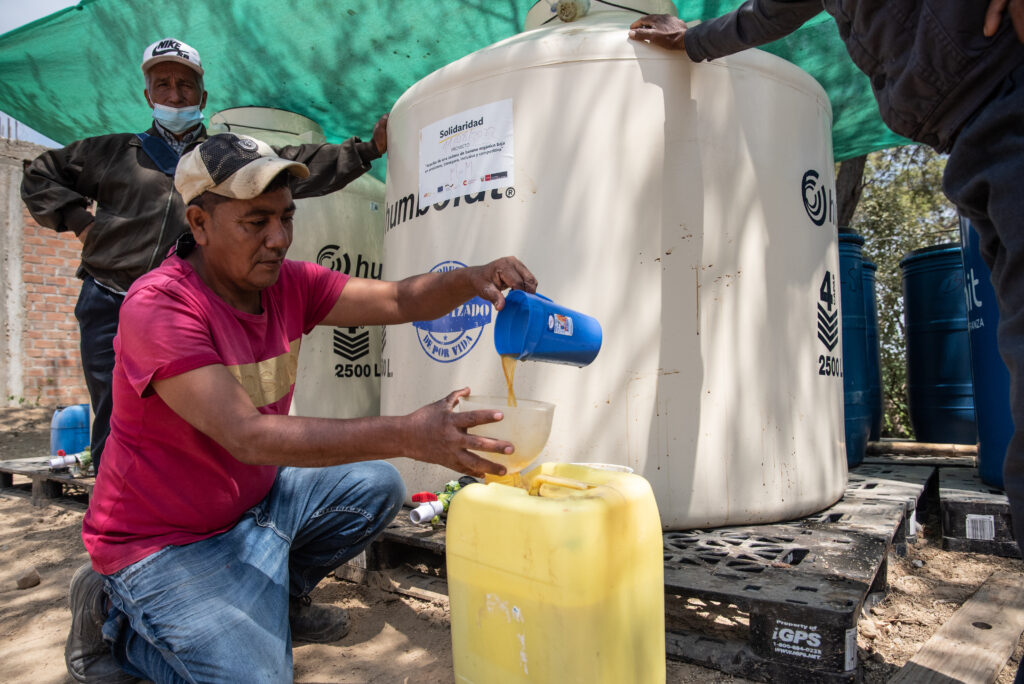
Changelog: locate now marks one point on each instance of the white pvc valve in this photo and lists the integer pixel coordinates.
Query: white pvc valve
(63, 461)
(426, 511)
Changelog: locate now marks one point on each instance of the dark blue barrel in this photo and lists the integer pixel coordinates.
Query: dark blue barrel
(855, 380)
(873, 367)
(939, 388)
(69, 429)
(991, 378)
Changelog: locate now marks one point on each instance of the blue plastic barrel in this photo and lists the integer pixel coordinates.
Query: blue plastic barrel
(939, 387)
(991, 378)
(855, 380)
(69, 429)
(873, 367)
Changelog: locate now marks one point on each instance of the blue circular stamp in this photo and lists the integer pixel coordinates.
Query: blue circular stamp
(454, 335)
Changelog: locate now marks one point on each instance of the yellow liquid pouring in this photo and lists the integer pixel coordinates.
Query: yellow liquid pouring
(508, 367)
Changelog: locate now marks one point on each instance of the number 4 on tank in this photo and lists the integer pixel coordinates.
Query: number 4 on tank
(827, 290)
(828, 327)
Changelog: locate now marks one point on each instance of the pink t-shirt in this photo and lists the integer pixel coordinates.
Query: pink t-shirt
(162, 482)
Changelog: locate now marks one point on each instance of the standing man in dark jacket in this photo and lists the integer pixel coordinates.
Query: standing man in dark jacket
(138, 213)
(948, 74)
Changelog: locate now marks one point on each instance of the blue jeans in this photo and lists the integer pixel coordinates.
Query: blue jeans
(217, 610)
(97, 312)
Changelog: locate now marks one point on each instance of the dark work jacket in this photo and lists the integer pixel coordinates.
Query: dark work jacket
(929, 64)
(139, 214)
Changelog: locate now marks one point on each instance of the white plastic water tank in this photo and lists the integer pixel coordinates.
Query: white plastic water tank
(688, 207)
(339, 368)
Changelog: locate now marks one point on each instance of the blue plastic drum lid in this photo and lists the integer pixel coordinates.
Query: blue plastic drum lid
(856, 406)
(991, 377)
(69, 429)
(873, 369)
(939, 386)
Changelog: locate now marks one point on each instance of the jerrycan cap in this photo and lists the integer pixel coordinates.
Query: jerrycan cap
(532, 327)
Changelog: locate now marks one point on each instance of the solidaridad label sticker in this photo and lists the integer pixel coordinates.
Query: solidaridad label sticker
(454, 335)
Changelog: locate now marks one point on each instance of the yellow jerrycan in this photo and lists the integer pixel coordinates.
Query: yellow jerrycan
(561, 581)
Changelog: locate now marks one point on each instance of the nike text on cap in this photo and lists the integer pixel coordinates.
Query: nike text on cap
(171, 50)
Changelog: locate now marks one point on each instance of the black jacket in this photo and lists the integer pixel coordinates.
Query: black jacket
(139, 214)
(929, 64)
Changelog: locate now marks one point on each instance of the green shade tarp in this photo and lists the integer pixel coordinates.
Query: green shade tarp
(342, 63)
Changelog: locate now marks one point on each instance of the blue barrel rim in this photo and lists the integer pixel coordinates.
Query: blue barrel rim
(913, 255)
(850, 236)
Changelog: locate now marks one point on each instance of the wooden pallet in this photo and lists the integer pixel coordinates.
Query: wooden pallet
(934, 460)
(899, 446)
(45, 485)
(975, 517)
(976, 643)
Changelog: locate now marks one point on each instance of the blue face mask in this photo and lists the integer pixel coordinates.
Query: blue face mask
(177, 120)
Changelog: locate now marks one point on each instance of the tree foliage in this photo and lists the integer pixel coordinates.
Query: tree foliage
(901, 208)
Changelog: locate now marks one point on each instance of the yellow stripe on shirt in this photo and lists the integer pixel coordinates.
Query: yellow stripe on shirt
(267, 381)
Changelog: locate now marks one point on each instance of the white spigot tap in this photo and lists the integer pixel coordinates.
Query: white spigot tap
(426, 511)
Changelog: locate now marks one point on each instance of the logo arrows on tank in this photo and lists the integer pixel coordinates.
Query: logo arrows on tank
(353, 345)
(828, 327)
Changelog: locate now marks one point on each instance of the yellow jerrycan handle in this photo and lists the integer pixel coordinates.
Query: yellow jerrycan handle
(554, 481)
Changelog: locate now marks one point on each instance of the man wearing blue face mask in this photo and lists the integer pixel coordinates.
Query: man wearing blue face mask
(138, 214)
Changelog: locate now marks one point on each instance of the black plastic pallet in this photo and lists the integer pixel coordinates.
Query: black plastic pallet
(878, 517)
(903, 484)
(775, 602)
(975, 516)
(45, 485)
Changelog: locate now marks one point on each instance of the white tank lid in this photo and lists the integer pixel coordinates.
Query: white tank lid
(548, 11)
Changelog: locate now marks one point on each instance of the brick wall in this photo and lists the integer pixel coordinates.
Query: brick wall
(52, 363)
(39, 341)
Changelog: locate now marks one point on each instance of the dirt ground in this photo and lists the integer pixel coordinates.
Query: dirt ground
(397, 639)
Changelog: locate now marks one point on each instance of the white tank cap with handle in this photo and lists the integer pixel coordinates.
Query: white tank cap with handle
(566, 11)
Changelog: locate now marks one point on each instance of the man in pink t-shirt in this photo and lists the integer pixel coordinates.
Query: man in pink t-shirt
(216, 512)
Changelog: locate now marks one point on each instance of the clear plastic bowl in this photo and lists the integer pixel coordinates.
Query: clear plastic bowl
(527, 426)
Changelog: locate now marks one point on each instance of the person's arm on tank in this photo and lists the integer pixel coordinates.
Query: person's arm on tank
(332, 167)
(754, 23)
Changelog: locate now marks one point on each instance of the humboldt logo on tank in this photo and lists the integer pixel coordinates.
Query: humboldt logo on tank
(331, 256)
(408, 207)
(352, 344)
(817, 199)
(452, 336)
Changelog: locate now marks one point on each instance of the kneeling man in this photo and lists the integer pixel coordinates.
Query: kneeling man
(216, 512)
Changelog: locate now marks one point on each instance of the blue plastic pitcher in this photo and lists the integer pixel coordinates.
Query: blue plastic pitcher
(531, 327)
